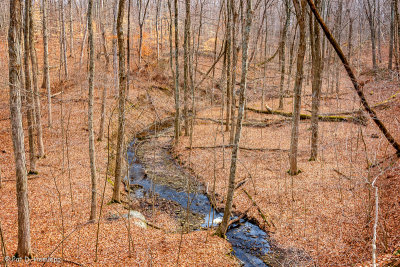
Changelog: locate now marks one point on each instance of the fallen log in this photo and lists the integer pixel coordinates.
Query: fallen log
(241, 148)
(331, 118)
(248, 123)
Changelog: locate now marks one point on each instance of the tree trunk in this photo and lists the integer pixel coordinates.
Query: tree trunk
(17, 132)
(29, 93)
(177, 104)
(235, 52)
(36, 95)
(71, 31)
(282, 57)
(186, 53)
(114, 46)
(64, 39)
(390, 63)
(228, 63)
(372, 27)
(316, 83)
(92, 157)
(221, 231)
(300, 15)
(121, 103)
(46, 72)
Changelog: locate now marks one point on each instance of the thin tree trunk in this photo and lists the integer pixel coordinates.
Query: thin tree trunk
(177, 104)
(29, 93)
(221, 231)
(390, 63)
(300, 15)
(36, 95)
(114, 46)
(235, 52)
(316, 83)
(282, 56)
(64, 39)
(121, 103)
(92, 156)
(46, 72)
(71, 31)
(186, 48)
(17, 132)
(228, 63)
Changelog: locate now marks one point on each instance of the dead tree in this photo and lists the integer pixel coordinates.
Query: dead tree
(17, 132)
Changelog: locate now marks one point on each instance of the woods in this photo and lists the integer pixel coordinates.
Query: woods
(197, 132)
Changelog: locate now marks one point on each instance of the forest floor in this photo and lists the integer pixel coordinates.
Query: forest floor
(327, 210)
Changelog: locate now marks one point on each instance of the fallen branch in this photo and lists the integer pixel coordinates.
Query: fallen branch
(238, 218)
(332, 118)
(263, 216)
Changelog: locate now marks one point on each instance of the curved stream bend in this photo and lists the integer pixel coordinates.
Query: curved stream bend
(170, 181)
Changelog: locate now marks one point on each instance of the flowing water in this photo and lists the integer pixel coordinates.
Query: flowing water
(169, 181)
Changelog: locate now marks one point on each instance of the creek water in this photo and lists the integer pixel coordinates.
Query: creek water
(249, 242)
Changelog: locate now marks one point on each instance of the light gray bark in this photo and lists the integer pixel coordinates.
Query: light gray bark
(46, 72)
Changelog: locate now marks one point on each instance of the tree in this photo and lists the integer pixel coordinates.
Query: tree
(317, 68)
(177, 122)
(141, 17)
(90, 112)
(186, 54)
(221, 231)
(121, 102)
(14, 51)
(28, 89)
(46, 74)
(36, 95)
(282, 56)
(356, 84)
(300, 11)
(370, 13)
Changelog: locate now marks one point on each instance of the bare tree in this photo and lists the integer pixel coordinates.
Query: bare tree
(46, 74)
(294, 140)
(390, 62)
(370, 13)
(14, 51)
(141, 17)
(29, 93)
(36, 95)
(92, 157)
(282, 56)
(121, 103)
(315, 38)
(232, 174)
(177, 102)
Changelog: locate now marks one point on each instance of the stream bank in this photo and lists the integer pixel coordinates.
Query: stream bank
(152, 169)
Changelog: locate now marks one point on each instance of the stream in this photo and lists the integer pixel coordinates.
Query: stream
(169, 181)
